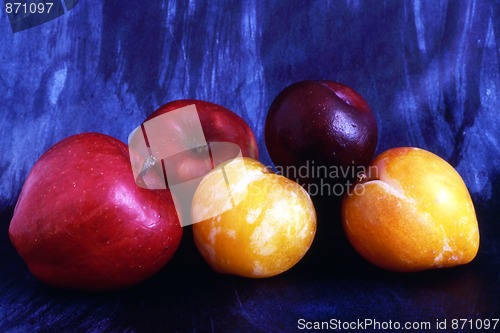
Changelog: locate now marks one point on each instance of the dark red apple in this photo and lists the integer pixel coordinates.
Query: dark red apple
(81, 222)
(320, 132)
(219, 125)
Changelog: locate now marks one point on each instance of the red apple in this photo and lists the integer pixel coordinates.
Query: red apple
(219, 125)
(320, 132)
(183, 141)
(81, 221)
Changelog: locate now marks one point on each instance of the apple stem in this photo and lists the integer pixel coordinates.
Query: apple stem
(148, 164)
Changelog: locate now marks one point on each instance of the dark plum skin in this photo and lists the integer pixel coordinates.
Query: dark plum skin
(320, 123)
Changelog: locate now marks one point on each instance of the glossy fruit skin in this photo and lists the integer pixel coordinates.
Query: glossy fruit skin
(219, 124)
(81, 222)
(413, 212)
(264, 234)
(321, 121)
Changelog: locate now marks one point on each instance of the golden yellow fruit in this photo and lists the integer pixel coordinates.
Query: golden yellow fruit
(253, 223)
(413, 212)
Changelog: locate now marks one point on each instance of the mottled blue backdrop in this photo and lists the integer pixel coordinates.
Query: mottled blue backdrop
(429, 69)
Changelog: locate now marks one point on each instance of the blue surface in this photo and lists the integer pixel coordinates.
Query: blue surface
(429, 69)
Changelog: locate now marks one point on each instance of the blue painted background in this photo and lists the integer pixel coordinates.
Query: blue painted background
(429, 69)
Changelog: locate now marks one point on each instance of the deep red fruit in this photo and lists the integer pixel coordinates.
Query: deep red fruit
(219, 124)
(320, 124)
(81, 222)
